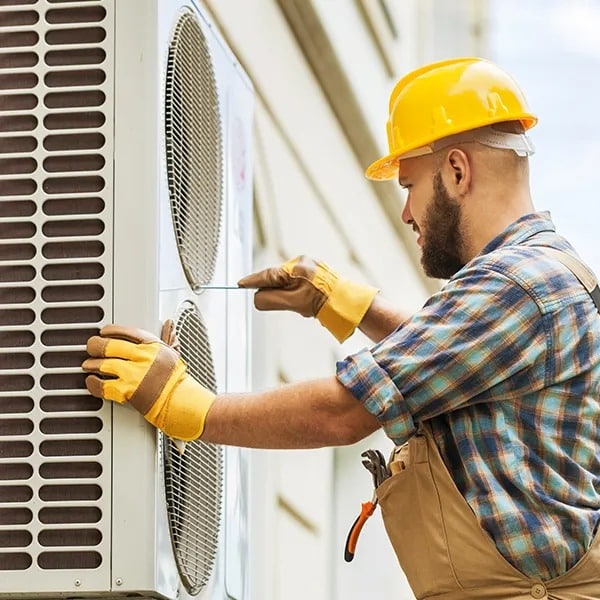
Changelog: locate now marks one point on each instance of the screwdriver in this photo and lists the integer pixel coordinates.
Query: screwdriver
(220, 287)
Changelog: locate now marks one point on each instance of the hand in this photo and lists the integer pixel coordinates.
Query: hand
(312, 289)
(149, 374)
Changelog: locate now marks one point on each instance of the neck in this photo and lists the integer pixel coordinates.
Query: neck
(486, 218)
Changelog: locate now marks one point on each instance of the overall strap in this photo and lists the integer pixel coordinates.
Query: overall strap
(579, 269)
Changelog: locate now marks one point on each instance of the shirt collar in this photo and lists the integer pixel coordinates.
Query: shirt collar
(521, 230)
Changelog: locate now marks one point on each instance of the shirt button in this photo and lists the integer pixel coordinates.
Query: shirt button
(538, 591)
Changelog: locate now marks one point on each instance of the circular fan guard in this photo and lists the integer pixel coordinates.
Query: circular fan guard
(194, 153)
(194, 479)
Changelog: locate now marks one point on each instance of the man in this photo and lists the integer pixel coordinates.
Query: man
(491, 389)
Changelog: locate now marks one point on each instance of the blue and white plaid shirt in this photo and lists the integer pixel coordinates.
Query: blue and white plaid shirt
(504, 362)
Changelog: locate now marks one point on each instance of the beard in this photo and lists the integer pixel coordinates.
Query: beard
(442, 243)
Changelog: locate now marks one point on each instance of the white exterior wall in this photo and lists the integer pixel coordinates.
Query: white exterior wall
(311, 197)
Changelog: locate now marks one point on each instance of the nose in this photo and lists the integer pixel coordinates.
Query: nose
(406, 214)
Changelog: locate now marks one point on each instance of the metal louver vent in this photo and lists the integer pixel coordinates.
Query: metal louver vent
(193, 481)
(54, 185)
(194, 154)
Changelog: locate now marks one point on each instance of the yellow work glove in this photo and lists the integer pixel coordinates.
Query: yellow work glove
(312, 289)
(137, 367)
(168, 336)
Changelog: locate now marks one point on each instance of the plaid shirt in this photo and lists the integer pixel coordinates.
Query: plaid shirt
(504, 362)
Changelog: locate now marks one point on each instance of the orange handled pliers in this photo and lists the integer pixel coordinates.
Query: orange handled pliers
(367, 509)
(376, 464)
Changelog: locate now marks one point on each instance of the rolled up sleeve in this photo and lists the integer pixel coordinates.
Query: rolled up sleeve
(370, 384)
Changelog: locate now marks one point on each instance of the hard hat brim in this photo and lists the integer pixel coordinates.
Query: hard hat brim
(385, 168)
(388, 167)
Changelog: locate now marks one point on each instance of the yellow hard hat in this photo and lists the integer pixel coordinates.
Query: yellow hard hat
(443, 99)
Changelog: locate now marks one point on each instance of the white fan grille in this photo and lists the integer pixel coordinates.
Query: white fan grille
(193, 481)
(193, 150)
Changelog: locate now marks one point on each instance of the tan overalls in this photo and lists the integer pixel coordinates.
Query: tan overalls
(443, 550)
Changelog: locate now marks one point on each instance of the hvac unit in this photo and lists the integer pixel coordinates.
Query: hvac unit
(125, 196)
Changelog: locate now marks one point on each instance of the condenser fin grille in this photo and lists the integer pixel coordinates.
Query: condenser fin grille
(55, 198)
(193, 480)
(194, 153)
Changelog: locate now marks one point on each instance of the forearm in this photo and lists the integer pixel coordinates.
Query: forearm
(381, 319)
(131, 365)
(310, 414)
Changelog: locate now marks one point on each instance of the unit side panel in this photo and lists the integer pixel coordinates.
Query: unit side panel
(238, 202)
(136, 565)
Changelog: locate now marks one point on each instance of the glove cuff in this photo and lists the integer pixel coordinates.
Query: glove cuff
(182, 416)
(345, 308)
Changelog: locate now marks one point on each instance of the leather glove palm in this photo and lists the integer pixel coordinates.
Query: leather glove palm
(312, 289)
(150, 375)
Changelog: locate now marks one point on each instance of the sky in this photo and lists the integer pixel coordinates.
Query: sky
(552, 48)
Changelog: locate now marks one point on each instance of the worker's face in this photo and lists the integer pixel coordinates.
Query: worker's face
(435, 217)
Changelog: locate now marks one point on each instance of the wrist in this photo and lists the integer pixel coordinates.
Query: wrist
(345, 307)
(181, 414)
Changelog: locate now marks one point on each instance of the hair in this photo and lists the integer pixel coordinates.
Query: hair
(501, 161)
(504, 159)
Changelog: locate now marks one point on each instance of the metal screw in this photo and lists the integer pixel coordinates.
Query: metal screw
(119, 581)
(77, 582)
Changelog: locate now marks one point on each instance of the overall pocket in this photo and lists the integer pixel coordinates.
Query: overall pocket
(412, 516)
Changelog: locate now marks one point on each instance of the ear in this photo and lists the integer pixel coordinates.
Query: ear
(457, 168)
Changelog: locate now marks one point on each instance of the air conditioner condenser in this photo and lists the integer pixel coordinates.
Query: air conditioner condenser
(125, 192)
